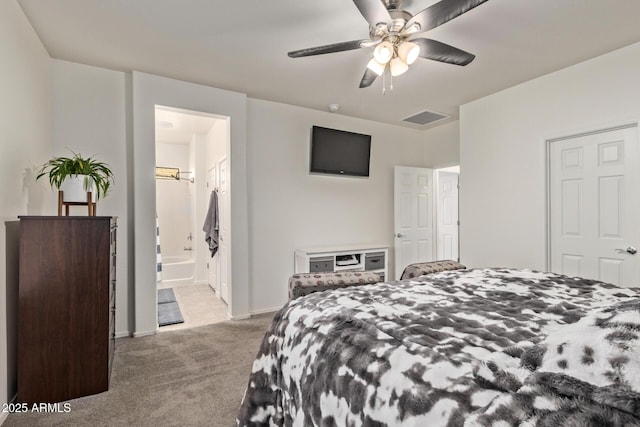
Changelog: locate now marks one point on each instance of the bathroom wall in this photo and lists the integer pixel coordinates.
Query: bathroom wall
(173, 201)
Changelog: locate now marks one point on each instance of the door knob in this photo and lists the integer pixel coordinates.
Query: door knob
(399, 235)
(630, 250)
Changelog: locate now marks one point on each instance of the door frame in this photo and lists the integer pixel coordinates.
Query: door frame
(145, 91)
(593, 130)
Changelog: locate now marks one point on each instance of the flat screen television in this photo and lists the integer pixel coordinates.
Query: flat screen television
(339, 152)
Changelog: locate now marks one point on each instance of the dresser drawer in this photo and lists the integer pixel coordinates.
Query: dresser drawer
(374, 261)
(319, 265)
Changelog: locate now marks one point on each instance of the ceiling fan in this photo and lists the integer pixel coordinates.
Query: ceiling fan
(398, 36)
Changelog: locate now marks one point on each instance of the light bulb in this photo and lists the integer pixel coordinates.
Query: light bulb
(398, 66)
(383, 52)
(409, 52)
(376, 67)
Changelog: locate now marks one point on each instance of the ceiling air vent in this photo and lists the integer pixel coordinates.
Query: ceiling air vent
(425, 118)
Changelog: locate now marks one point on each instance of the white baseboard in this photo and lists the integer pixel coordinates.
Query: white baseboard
(253, 313)
(5, 415)
(123, 334)
(144, 333)
(241, 317)
(265, 311)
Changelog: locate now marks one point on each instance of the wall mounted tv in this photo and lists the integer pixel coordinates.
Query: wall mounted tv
(339, 152)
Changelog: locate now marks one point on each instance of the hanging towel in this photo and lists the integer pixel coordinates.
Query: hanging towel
(210, 227)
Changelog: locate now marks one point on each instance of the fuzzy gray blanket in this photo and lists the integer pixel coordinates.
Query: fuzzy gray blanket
(486, 347)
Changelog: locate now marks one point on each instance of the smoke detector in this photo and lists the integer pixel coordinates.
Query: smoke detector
(334, 107)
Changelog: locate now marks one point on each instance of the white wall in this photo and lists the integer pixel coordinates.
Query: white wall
(217, 142)
(109, 114)
(89, 117)
(149, 91)
(289, 208)
(173, 200)
(442, 145)
(25, 139)
(502, 152)
(200, 205)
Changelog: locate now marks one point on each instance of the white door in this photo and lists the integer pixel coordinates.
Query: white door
(413, 216)
(594, 209)
(223, 209)
(212, 263)
(447, 216)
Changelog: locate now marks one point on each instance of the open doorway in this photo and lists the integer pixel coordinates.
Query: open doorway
(191, 152)
(447, 215)
(425, 215)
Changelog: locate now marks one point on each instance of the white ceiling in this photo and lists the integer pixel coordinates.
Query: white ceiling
(178, 126)
(242, 46)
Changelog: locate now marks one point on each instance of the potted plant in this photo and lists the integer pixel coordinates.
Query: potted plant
(77, 175)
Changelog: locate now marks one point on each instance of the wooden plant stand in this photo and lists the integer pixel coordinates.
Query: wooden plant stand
(91, 206)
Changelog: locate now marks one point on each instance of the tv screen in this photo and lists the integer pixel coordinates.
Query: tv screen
(339, 152)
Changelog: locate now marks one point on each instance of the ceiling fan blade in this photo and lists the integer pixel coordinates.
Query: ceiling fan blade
(374, 11)
(438, 51)
(329, 48)
(441, 12)
(368, 78)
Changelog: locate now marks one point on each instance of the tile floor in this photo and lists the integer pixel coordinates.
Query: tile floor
(199, 306)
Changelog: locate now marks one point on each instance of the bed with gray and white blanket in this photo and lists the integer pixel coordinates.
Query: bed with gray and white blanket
(483, 347)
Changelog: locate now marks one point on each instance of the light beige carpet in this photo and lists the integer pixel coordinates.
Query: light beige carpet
(192, 377)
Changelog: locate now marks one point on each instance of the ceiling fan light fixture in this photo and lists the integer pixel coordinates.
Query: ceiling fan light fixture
(376, 67)
(398, 66)
(409, 52)
(383, 52)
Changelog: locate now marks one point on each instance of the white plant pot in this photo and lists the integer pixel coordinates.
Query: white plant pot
(74, 191)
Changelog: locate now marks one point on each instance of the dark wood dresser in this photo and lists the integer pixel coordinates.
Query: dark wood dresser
(66, 310)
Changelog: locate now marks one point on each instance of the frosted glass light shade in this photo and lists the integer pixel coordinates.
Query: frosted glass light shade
(398, 66)
(376, 67)
(383, 52)
(409, 52)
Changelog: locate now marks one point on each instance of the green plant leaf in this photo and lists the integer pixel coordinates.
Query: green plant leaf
(59, 168)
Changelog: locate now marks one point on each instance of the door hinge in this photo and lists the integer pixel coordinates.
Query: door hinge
(458, 221)
(207, 266)
(458, 186)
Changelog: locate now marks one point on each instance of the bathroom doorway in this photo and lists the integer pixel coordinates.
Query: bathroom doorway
(188, 146)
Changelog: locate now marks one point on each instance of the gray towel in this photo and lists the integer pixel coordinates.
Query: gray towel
(210, 227)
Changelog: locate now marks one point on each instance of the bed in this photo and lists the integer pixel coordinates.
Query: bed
(481, 347)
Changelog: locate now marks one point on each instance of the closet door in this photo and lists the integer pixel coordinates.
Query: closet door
(594, 183)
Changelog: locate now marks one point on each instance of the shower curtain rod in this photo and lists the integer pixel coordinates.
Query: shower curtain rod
(191, 180)
(172, 173)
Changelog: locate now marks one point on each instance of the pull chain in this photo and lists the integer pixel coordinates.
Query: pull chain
(384, 81)
(384, 84)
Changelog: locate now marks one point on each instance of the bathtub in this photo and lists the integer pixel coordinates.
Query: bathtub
(177, 269)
